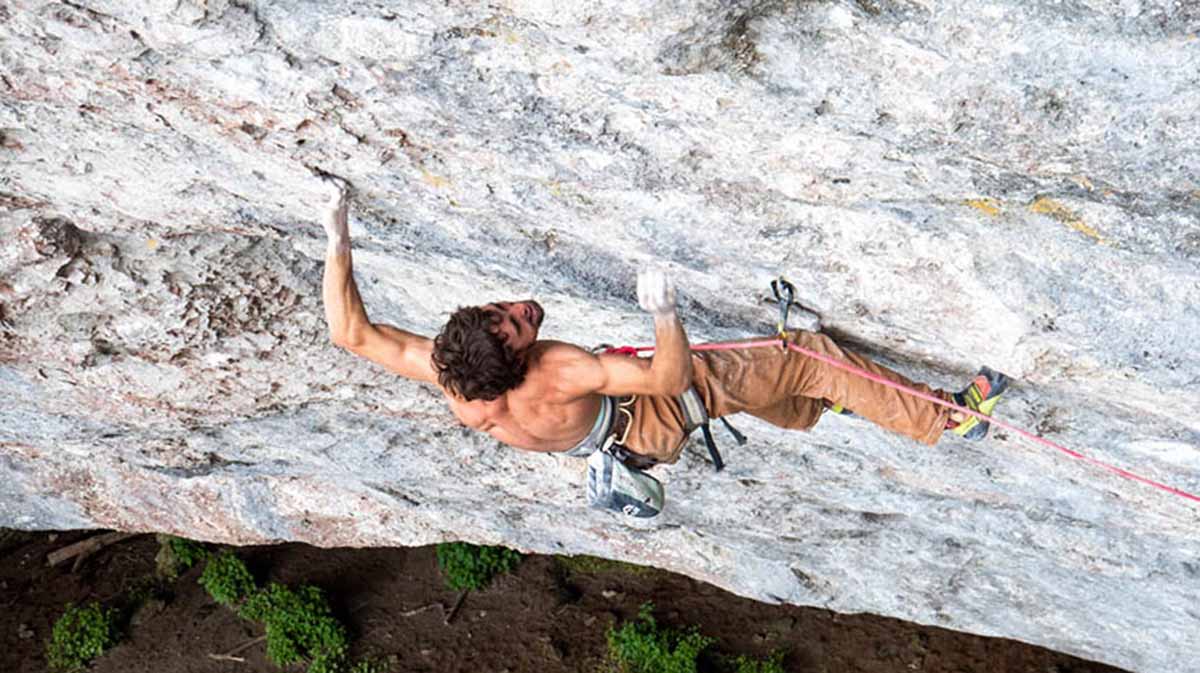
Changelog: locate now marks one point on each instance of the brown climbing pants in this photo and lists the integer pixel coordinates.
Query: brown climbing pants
(787, 389)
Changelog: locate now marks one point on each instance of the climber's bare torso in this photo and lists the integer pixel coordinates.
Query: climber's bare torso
(548, 412)
(537, 415)
(555, 406)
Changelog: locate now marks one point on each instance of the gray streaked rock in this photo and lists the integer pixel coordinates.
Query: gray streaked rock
(949, 184)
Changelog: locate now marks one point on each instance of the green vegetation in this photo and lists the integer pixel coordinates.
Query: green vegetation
(467, 566)
(227, 579)
(80, 635)
(641, 646)
(176, 555)
(300, 627)
(299, 623)
(186, 553)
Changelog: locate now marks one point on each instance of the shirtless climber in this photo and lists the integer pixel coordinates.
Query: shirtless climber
(551, 396)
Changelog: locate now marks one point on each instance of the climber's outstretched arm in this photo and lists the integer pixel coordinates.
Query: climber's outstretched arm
(401, 352)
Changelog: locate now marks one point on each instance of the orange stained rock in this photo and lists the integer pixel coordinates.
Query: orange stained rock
(1045, 205)
(985, 205)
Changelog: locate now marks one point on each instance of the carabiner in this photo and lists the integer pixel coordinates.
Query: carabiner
(785, 295)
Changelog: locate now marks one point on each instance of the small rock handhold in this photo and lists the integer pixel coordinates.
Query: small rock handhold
(24, 632)
(254, 131)
(13, 139)
(56, 236)
(344, 95)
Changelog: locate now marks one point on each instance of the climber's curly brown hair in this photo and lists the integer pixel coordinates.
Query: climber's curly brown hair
(471, 358)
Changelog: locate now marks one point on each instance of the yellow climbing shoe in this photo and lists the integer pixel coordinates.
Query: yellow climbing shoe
(982, 395)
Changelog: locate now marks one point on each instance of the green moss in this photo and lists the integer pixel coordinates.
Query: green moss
(467, 566)
(300, 627)
(186, 553)
(641, 646)
(176, 555)
(80, 635)
(227, 579)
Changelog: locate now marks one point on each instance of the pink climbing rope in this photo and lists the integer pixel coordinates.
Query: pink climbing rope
(776, 342)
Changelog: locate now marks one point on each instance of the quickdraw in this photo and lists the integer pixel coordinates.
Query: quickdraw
(785, 295)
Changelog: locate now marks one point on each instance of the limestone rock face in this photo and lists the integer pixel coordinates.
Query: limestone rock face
(1002, 182)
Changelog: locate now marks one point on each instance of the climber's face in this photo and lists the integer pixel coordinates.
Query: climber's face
(518, 322)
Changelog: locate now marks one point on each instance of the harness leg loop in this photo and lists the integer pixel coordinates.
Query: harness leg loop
(737, 436)
(718, 464)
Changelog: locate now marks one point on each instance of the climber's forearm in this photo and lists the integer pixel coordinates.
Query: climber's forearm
(671, 366)
(343, 306)
(672, 361)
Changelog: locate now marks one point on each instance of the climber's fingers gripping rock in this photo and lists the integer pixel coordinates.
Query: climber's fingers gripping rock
(337, 208)
(656, 292)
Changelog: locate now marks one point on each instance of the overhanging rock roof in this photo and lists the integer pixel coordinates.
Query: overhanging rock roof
(948, 184)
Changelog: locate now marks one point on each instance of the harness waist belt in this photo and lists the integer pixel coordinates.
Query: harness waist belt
(600, 430)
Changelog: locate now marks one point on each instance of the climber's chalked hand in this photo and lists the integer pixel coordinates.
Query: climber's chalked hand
(336, 220)
(656, 293)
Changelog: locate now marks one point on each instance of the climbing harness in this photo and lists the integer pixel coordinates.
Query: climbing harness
(694, 413)
(696, 416)
(599, 431)
(614, 479)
